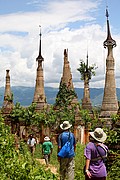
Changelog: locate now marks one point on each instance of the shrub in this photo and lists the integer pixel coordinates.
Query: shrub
(18, 164)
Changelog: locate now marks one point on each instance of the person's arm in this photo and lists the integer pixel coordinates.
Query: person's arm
(42, 150)
(58, 151)
(59, 145)
(87, 154)
(87, 168)
(51, 149)
(75, 147)
(28, 142)
(35, 142)
(74, 142)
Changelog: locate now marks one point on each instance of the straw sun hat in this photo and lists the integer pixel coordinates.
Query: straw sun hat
(65, 125)
(46, 138)
(99, 135)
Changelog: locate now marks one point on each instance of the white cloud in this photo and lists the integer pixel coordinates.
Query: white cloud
(18, 51)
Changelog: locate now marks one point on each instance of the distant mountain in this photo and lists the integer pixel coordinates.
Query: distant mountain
(24, 95)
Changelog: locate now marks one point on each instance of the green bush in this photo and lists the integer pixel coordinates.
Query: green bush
(18, 164)
(114, 171)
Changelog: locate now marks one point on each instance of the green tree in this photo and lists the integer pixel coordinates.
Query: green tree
(16, 116)
(86, 70)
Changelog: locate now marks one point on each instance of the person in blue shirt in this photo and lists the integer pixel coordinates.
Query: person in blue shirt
(67, 164)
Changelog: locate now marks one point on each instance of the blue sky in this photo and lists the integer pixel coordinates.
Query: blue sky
(74, 24)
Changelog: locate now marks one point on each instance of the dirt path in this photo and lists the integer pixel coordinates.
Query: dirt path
(51, 167)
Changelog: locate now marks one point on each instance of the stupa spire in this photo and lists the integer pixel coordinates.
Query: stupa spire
(67, 76)
(110, 103)
(109, 41)
(39, 94)
(40, 58)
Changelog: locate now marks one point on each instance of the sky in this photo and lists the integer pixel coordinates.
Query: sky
(76, 25)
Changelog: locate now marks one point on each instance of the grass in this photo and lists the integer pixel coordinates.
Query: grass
(79, 159)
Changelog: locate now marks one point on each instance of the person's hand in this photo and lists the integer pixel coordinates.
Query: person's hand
(88, 173)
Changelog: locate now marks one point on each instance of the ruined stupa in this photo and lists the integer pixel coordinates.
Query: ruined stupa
(66, 85)
(8, 96)
(86, 102)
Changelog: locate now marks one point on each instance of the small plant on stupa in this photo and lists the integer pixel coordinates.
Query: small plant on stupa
(9, 98)
(86, 71)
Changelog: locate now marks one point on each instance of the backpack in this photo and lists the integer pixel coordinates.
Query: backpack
(67, 149)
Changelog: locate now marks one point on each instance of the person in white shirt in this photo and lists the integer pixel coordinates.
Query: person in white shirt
(31, 144)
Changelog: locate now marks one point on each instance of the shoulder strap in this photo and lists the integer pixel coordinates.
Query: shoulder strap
(69, 137)
(99, 151)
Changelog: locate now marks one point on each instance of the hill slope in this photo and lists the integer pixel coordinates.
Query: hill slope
(24, 95)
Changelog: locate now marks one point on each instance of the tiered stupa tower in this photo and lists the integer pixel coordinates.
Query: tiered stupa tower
(8, 96)
(39, 94)
(86, 103)
(110, 103)
(67, 76)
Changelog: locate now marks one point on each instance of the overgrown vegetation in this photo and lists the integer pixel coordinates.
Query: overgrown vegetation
(14, 164)
(18, 164)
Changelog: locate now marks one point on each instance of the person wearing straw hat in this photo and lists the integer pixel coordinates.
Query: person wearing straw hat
(47, 148)
(95, 153)
(67, 163)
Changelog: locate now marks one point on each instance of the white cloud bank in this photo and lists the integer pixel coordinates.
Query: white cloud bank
(65, 24)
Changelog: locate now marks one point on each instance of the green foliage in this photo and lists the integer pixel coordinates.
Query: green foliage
(113, 142)
(114, 118)
(63, 105)
(79, 162)
(29, 114)
(9, 98)
(114, 172)
(65, 96)
(85, 116)
(17, 113)
(112, 137)
(18, 164)
(86, 71)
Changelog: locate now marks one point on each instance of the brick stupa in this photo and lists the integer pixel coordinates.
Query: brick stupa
(39, 94)
(110, 102)
(8, 96)
(86, 102)
(67, 76)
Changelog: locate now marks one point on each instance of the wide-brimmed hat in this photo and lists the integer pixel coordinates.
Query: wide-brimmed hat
(46, 138)
(65, 125)
(99, 135)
